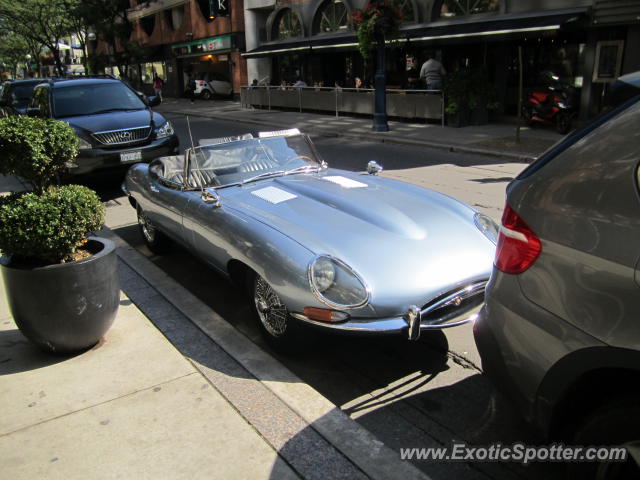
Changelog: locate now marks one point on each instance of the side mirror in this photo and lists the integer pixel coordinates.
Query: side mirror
(33, 112)
(210, 197)
(374, 168)
(153, 101)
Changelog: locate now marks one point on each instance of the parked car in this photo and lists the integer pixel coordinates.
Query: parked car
(16, 94)
(210, 84)
(560, 330)
(115, 125)
(328, 248)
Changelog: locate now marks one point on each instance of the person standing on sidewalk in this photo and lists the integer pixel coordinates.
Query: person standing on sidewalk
(191, 87)
(157, 86)
(432, 72)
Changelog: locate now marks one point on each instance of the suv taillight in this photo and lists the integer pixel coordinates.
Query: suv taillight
(518, 247)
(201, 83)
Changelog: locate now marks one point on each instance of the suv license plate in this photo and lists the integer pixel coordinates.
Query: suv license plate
(126, 157)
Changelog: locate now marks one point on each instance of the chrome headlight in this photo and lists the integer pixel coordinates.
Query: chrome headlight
(336, 284)
(487, 226)
(83, 144)
(166, 130)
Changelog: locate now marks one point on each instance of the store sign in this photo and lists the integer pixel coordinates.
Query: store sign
(206, 45)
(218, 8)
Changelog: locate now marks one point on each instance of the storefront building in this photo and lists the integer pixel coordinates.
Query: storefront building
(587, 43)
(182, 37)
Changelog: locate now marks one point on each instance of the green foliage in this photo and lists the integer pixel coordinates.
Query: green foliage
(48, 228)
(378, 18)
(43, 21)
(36, 149)
(470, 89)
(457, 87)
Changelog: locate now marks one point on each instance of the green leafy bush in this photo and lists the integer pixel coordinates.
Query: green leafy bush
(49, 227)
(36, 149)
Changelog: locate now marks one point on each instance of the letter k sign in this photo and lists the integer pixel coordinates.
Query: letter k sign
(222, 7)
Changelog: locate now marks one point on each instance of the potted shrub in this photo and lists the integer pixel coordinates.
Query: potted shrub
(456, 97)
(481, 97)
(61, 284)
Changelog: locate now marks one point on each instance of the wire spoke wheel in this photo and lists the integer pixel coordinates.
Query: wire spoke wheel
(148, 230)
(272, 312)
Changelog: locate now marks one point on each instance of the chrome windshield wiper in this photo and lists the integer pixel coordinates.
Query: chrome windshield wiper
(303, 169)
(264, 175)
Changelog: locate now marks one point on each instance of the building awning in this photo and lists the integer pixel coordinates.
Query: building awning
(497, 27)
(486, 27)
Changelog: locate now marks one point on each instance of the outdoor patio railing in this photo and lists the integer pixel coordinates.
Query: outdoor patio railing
(412, 104)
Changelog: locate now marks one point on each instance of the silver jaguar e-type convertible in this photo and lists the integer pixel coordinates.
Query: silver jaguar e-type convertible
(340, 250)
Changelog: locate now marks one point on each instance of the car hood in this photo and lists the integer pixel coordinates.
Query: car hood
(394, 234)
(114, 120)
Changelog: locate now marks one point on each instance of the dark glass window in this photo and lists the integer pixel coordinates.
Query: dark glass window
(148, 24)
(406, 7)
(331, 17)
(461, 8)
(287, 25)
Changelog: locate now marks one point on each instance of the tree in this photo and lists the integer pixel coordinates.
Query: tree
(42, 21)
(108, 19)
(13, 51)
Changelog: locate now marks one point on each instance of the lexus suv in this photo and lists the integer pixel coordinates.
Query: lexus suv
(560, 329)
(115, 125)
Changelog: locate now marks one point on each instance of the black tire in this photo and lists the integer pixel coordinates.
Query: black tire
(615, 424)
(277, 327)
(206, 95)
(155, 240)
(563, 123)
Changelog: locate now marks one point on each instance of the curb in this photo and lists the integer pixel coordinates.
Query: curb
(515, 157)
(356, 443)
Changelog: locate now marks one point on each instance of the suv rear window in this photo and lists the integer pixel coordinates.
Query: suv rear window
(91, 98)
(557, 149)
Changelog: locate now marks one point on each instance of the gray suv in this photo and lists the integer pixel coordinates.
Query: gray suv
(560, 328)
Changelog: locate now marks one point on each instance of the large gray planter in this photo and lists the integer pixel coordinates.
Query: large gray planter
(67, 307)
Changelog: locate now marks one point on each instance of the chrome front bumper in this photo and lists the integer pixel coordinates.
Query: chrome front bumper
(415, 320)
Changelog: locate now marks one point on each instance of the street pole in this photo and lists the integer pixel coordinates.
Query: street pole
(380, 115)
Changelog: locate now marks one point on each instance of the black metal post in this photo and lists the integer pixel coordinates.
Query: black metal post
(380, 115)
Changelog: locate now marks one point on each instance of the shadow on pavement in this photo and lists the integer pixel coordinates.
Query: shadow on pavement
(18, 354)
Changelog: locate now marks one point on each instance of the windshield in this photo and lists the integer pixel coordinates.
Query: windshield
(251, 160)
(90, 99)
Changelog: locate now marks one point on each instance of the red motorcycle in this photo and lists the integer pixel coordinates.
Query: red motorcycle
(551, 107)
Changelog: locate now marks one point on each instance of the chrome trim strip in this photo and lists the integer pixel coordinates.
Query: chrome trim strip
(328, 302)
(463, 294)
(121, 129)
(382, 326)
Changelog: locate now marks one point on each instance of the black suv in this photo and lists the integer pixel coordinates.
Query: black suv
(115, 125)
(16, 94)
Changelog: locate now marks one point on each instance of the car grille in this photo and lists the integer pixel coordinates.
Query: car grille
(122, 137)
(453, 303)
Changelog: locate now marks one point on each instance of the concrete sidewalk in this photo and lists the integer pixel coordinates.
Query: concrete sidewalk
(495, 139)
(131, 407)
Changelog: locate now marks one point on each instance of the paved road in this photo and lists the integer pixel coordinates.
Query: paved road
(422, 394)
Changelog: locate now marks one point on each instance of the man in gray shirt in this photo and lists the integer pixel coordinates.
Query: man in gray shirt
(432, 72)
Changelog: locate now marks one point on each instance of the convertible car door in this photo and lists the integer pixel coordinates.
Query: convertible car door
(210, 230)
(167, 204)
